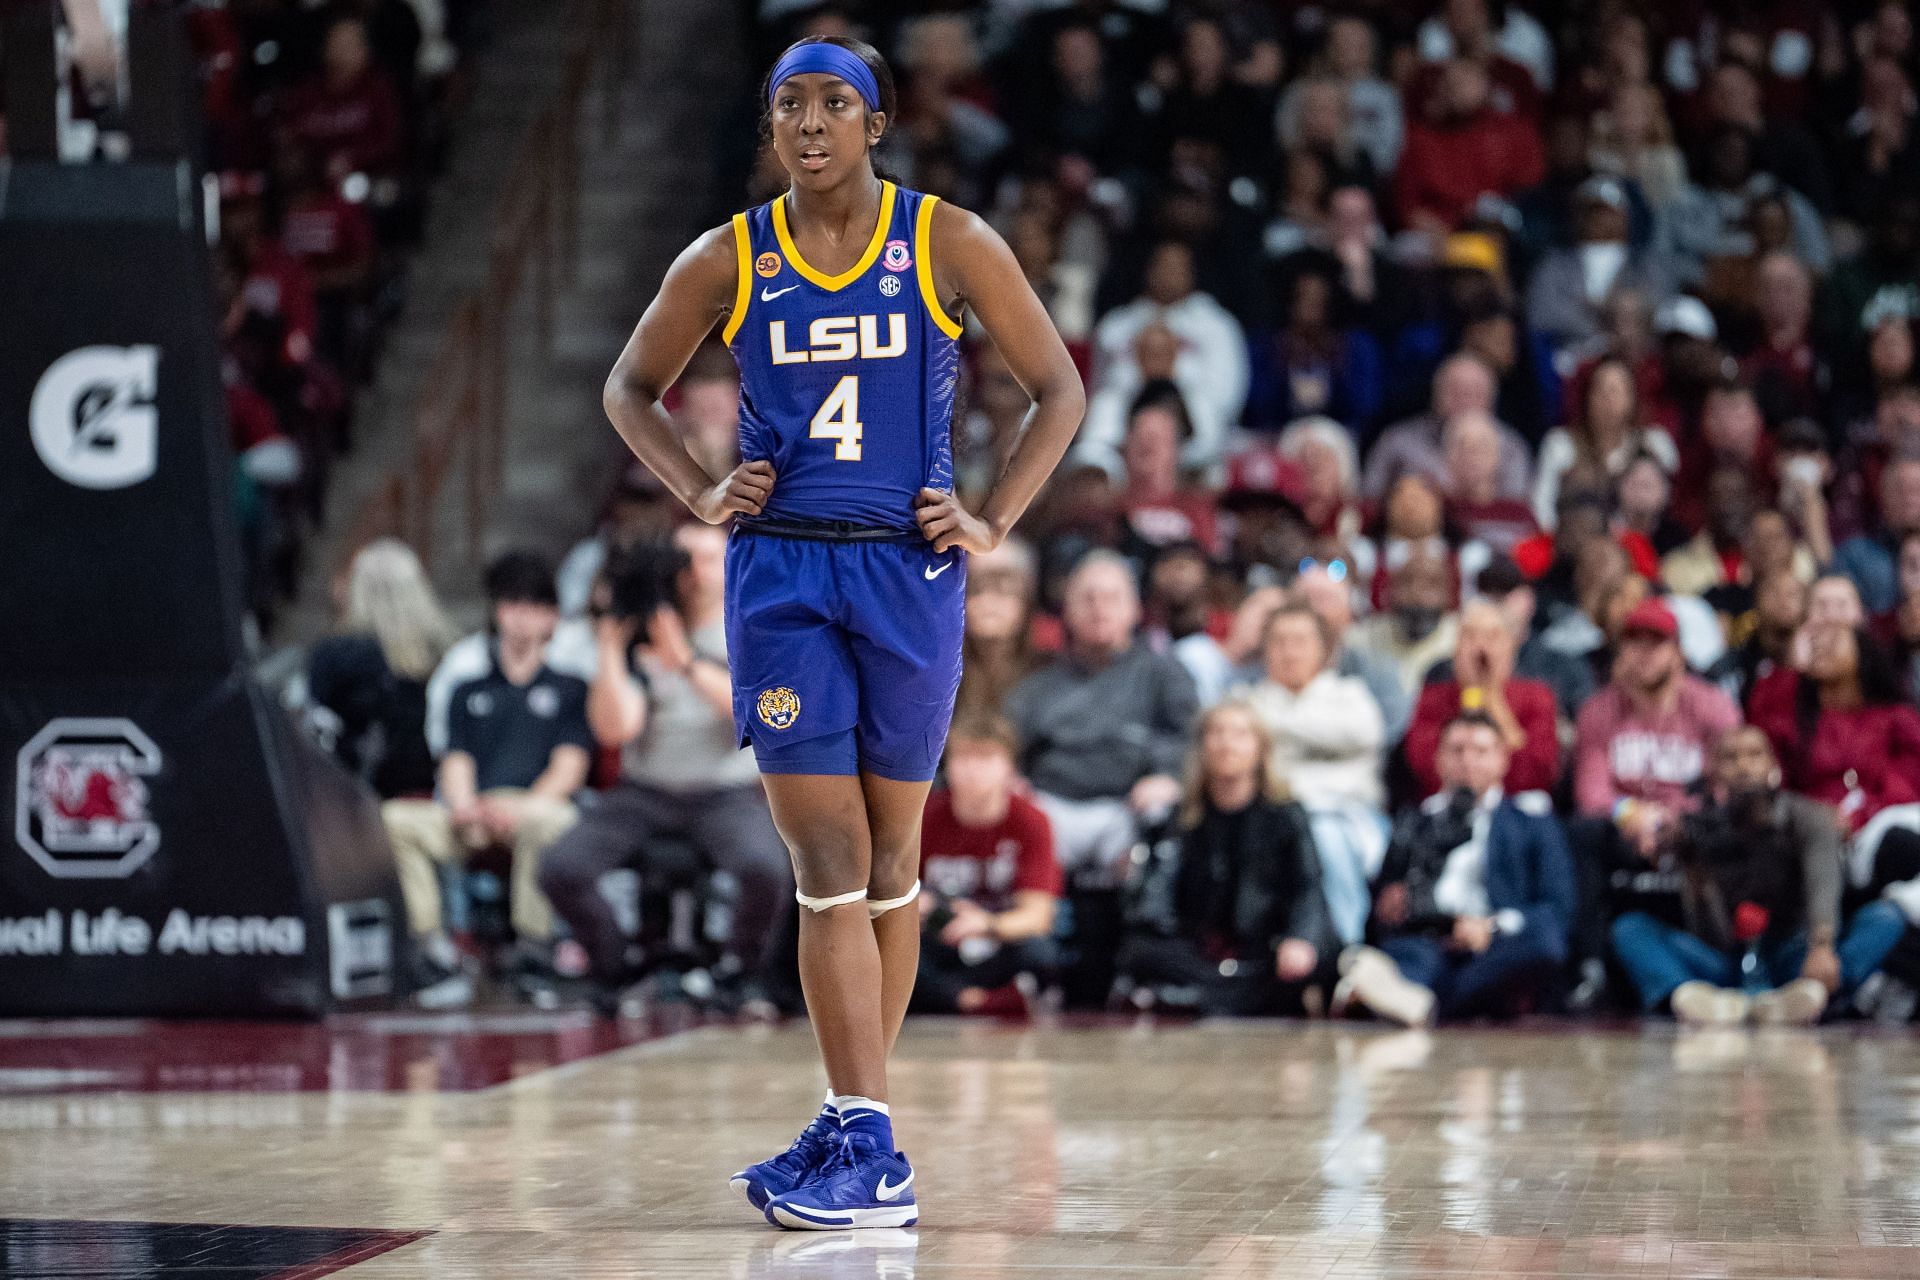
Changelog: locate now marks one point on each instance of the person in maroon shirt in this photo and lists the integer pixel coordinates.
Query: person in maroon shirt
(349, 114)
(989, 881)
(1783, 367)
(1732, 434)
(1472, 30)
(1842, 725)
(333, 241)
(274, 283)
(1483, 681)
(235, 136)
(1640, 749)
(1475, 505)
(1462, 151)
(1158, 507)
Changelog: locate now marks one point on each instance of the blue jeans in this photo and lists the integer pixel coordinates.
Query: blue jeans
(1659, 957)
(1340, 837)
(1465, 984)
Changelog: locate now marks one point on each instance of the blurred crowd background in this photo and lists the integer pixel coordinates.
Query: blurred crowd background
(326, 126)
(1487, 579)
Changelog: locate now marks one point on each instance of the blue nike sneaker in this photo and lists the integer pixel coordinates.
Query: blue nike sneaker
(860, 1186)
(817, 1144)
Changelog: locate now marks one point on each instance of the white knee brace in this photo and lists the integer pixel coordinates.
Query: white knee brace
(877, 907)
(822, 904)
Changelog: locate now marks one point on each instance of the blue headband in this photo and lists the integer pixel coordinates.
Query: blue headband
(819, 56)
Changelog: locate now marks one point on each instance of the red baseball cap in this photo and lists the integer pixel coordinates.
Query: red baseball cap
(1262, 477)
(1651, 617)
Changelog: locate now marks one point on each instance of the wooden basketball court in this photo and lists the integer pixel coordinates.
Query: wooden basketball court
(518, 1145)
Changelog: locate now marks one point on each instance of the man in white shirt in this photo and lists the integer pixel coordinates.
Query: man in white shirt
(1210, 367)
(1475, 899)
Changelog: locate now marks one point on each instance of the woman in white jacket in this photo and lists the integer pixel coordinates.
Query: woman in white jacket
(1329, 741)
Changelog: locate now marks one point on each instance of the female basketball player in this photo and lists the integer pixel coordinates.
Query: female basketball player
(841, 301)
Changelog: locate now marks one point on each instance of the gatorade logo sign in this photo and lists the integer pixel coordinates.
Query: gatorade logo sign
(80, 808)
(92, 418)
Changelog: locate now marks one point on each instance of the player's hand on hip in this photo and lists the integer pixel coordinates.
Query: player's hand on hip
(745, 490)
(947, 524)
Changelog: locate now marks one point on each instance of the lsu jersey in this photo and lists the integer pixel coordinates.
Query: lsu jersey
(846, 381)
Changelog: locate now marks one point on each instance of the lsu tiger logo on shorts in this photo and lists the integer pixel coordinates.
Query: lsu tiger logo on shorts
(779, 708)
(768, 264)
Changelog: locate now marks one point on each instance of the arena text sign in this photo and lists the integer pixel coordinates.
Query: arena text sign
(114, 933)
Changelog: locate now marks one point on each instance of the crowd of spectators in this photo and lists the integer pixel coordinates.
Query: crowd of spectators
(1488, 577)
(323, 126)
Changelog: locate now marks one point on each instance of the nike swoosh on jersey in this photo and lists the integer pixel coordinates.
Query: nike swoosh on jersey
(885, 1192)
(769, 297)
(931, 573)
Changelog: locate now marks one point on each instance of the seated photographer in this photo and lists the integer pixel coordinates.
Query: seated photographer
(1229, 916)
(1761, 893)
(1640, 748)
(662, 694)
(1475, 901)
(990, 881)
(518, 747)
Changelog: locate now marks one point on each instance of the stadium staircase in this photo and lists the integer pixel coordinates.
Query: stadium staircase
(580, 166)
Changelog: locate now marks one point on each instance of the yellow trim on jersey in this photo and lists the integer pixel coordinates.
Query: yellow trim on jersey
(742, 287)
(923, 254)
(852, 273)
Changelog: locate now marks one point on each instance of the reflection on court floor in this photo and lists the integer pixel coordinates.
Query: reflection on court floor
(1103, 1149)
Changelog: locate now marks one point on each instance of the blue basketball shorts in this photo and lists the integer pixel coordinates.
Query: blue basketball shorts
(845, 654)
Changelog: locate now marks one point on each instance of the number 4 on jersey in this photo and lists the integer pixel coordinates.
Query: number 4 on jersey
(838, 419)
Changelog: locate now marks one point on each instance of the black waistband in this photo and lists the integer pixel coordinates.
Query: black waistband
(827, 530)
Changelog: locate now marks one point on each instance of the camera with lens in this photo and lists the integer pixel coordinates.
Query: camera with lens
(1740, 829)
(642, 578)
(1437, 834)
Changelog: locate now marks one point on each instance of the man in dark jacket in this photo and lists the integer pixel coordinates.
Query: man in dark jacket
(1475, 899)
(1761, 897)
(1229, 916)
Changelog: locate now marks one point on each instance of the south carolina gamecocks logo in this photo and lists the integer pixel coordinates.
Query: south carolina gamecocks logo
(779, 708)
(80, 799)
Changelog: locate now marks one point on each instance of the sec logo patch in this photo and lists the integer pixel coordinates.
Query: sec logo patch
(768, 264)
(779, 708)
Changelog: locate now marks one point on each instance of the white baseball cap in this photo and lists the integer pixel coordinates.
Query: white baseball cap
(1686, 314)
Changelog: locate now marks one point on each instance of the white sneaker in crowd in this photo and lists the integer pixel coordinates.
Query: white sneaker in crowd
(1370, 977)
(1798, 1004)
(1701, 1004)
